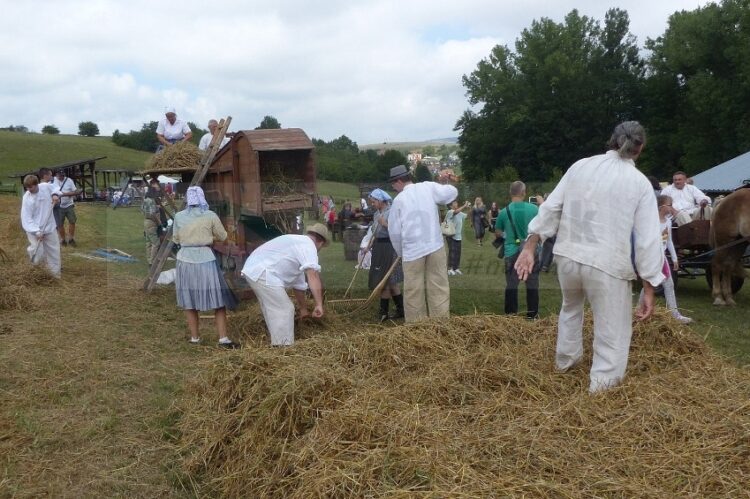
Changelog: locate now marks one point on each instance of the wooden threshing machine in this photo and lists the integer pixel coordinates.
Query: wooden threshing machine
(260, 184)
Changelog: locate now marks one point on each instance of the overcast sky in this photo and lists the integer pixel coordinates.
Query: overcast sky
(375, 70)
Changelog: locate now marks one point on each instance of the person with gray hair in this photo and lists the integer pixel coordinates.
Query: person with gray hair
(205, 141)
(513, 224)
(603, 210)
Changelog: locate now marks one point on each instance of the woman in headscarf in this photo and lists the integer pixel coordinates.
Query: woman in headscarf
(383, 256)
(199, 281)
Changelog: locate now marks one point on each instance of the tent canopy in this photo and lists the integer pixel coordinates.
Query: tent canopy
(163, 179)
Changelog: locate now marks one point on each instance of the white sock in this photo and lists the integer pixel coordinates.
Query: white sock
(225, 339)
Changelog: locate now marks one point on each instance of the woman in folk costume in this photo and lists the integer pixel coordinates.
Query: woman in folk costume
(199, 282)
(666, 218)
(383, 256)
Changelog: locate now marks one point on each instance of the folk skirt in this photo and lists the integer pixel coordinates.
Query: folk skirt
(383, 255)
(201, 286)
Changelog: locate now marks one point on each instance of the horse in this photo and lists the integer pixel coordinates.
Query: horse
(731, 222)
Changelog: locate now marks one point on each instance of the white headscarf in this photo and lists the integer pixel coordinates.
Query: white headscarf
(195, 197)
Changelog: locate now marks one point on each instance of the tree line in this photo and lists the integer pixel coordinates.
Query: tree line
(557, 96)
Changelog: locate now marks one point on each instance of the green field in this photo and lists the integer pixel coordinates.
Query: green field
(23, 152)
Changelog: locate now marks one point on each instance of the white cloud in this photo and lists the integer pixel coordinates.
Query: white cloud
(374, 70)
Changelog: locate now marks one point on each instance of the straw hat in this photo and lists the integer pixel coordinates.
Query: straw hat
(322, 231)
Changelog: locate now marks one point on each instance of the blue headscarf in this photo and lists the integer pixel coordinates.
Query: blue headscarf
(381, 195)
(195, 197)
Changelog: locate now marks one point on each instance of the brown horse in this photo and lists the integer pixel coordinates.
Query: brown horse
(731, 222)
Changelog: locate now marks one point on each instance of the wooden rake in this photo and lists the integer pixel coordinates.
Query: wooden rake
(365, 302)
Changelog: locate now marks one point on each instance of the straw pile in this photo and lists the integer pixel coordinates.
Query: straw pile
(18, 282)
(470, 407)
(182, 156)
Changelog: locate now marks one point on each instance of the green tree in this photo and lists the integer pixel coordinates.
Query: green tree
(141, 140)
(428, 151)
(198, 132)
(698, 89)
(422, 173)
(268, 122)
(553, 100)
(88, 129)
(50, 130)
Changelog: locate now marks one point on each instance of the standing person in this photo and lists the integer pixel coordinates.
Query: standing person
(39, 223)
(456, 215)
(494, 212)
(599, 203)
(666, 213)
(199, 282)
(151, 209)
(170, 130)
(383, 256)
(45, 176)
(479, 220)
(414, 228)
(205, 141)
(67, 208)
(688, 200)
(513, 223)
(281, 263)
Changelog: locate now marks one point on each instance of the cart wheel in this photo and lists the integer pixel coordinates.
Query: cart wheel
(737, 281)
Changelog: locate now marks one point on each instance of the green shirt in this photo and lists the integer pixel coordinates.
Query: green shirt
(522, 213)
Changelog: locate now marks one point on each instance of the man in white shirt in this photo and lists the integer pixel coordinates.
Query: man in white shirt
(38, 222)
(170, 130)
(414, 228)
(687, 199)
(66, 209)
(283, 263)
(206, 139)
(602, 207)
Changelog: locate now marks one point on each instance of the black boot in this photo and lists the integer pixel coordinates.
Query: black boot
(399, 301)
(383, 309)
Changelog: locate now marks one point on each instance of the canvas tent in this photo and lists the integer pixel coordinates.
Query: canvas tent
(726, 177)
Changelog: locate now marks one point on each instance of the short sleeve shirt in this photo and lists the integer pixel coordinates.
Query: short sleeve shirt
(522, 213)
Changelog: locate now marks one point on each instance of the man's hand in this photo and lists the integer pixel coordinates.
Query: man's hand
(646, 306)
(676, 265)
(539, 200)
(525, 263)
(704, 203)
(318, 311)
(304, 313)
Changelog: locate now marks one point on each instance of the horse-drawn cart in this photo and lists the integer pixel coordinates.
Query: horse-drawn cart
(693, 244)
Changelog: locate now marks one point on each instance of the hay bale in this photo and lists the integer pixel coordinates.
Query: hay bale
(466, 407)
(179, 156)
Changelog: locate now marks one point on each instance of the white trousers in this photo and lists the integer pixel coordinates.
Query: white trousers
(611, 304)
(278, 311)
(45, 250)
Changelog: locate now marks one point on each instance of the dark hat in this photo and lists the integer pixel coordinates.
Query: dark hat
(398, 172)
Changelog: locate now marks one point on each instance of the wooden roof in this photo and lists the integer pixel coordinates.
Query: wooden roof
(280, 139)
(61, 166)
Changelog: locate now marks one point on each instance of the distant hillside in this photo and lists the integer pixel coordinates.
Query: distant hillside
(405, 147)
(20, 152)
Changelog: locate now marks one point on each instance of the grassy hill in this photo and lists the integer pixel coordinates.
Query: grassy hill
(406, 147)
(20, 152)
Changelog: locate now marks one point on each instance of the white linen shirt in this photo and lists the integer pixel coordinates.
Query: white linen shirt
(67, 185)
(206, 141)
(414, 222)
(36, 210)
(172, 132)
(599, 203)
(283, 261)
(687, 199)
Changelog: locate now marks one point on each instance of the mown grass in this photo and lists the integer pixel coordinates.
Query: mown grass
(90, 378)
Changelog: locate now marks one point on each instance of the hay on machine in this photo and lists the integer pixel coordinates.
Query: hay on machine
(467, 407)
(182, 157)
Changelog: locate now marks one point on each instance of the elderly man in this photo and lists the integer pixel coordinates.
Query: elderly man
(687, 199)
(283, 263)
(38, 222)
(602, 208)
(414, 227)
(213, 125)
(170, 130)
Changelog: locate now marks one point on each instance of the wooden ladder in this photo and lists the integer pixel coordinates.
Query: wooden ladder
(165, 248)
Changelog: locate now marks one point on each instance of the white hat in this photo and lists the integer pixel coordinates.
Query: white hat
(170, 109)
